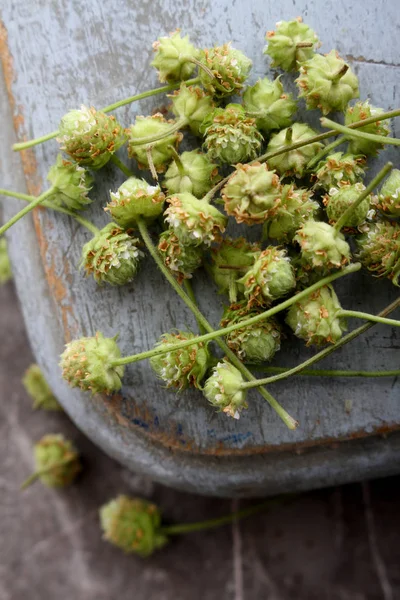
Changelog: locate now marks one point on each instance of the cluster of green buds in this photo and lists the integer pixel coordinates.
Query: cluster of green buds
(256, 343)
(56, 461)
(269, 278)
(39, 390)
(340, 199)
(379, 250)
(111, 256)
(230, 136)
(171, 57)
(339, 169)
(90, 137)
(327, 82)
(223, 389)
(133, 525)
(87, 363)
(295, 207)
(192, 105)
(271, 107)
(322, 247)
(182, 260)
(226, 70)
(192, 172)
(135, 199)
(292, 162)
(359, 112)
(388, 201)
(316, 318)
(72, 184)
(5, 265)
(183, 367)
(194, 221)
(291, 44)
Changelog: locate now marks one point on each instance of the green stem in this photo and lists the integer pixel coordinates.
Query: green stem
(376, 181)
(355, 314)
(118, 163)
(109, 108)
(328, 373)
(178, 161)
(342, 71)
(326, 150)
(189, 290)
(380, 139)
(41, 472)
(286, 418)
(26, 210)
(151, 139)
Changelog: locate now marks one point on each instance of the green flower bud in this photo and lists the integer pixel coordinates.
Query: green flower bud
(295, 208)
(252, 193)
(327, 82)
(315, 318)
(160, 150)
(359, 112)
(86, 363)
(194, 221)
(181, 368)
(56, 461)
(111, 256)
(90, 137)
(293, 162)
(133, 525)
(38, 389)
(5, 265)
(230, 136)
(193, 104)
(181, 260)
(389, 196)
(269, 105)
(230, 68)
(170, 58)
(223, 389)
(285, 45)
(339, 200)
(135, 199)
(269, 278)
(254, 343)
(72, 182)
(339, 169)
(196, 174)
(379, 250)
(232, 253)
(322, 248)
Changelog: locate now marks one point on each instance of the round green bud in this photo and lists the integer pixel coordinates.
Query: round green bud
(389, 197)
(73, 184)
(252, 193)
(315, 318)
(39, 390)
(230, 136)
(359, 112)
(133, 525)
(339, 169)
(230, 69)
(181, 260)
(288, 45)
(183, 367)
(195, 173)
(294, 209)
(90, 137)
(379, 250)
(160, 150)
(327, 83)
(135, 199)
(340, 199)
(111, 256)
(5, 265)
(293, 162)
(322, 248)
(170, 57)
(87, 363)
(269, 105)
(253, 343)
(269, 278)
(223, 389)
(56, 461)
(193, 104)
(232, 253)
(194, 221)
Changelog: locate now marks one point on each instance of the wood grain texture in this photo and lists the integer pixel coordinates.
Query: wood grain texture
(64, 56)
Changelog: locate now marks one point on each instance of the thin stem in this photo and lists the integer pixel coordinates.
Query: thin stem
(109, 108)
(150, 139)
(380, 139)
(201, 65)
(44, 471)
(118, 163)
(178, 161)
(189, 290)
(304, 44)
(326, 150)
(26, 210)
(374, 183)
(329, 373)
(362, 315)
(149, 154)
(289, 135)
(342, 71)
